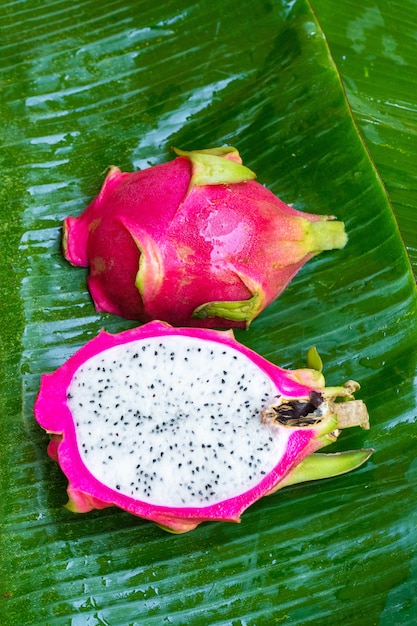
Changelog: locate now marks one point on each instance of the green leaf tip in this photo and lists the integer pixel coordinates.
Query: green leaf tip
(314, 361)
(216, 166)
(318, 466)
(327, 234)
(223, 151)
(237, 310)
(71, 506)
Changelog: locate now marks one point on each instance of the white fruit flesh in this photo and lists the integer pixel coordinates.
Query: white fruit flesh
(175, 423)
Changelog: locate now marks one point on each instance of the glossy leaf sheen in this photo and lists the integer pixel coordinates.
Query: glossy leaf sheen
(86, 85)
(374, 46)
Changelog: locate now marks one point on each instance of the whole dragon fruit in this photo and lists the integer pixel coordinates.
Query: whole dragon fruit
(195, 242)
(185, 425)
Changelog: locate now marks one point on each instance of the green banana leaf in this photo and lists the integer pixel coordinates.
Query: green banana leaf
(374, 47)
(89, 84)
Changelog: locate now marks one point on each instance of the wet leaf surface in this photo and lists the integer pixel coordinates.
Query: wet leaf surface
(86, 85)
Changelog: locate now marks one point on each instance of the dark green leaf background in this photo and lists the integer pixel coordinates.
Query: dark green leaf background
(87, 84)
(374, 46)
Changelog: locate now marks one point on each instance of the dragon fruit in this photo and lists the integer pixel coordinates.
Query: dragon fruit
(185, 425)
(195, 242)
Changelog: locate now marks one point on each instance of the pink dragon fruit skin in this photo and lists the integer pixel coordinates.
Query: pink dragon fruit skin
(112, 364)
(195, 242)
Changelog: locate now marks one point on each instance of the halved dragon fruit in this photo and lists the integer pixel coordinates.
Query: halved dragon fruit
(195, 242)
(185, 425)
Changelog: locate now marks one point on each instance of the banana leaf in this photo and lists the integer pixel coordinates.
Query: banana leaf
(374, 47)
(85, 85)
